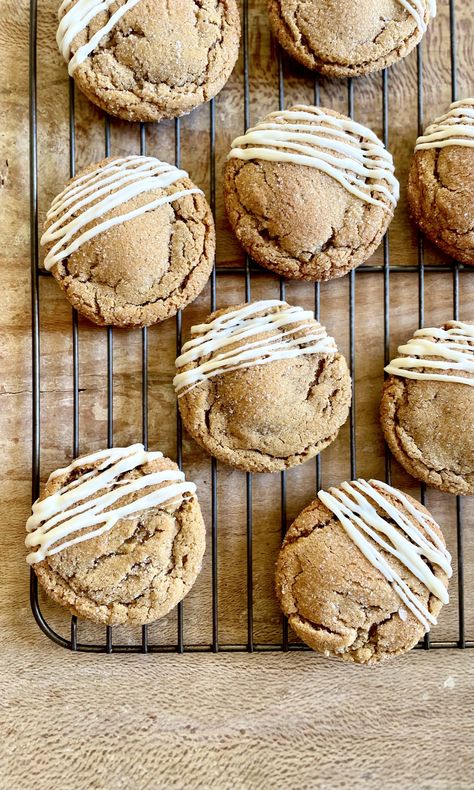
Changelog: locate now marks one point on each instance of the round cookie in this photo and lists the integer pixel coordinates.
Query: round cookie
(130, 241)
(309, 193)
(441, 182)
(261, 386)
(341, 38)
(145, 60)
(427, 407)
(344, 592)
(117, 536)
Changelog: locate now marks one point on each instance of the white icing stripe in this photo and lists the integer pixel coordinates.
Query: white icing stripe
(456, 127)
(416, 8)
(404, 540)
(60, 520)
(115, 183)
(77, 19)
(455, 346)
(282, 340)
(329, 144)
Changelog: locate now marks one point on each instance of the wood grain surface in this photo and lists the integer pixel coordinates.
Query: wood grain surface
(74, 721)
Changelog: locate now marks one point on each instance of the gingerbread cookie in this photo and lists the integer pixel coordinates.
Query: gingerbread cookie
(341, 38)
(145, 60)
(363, 572)
(117, 536)
(309, 192)
(130, 241)
(427, 407)
(441, 182)
(261, 386)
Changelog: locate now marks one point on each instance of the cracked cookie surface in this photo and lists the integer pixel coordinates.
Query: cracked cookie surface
(298, 220)
(144, 270)
(336, 601)
(441, 198)
(341, 38)
(269, 417)
(161, 59)
(429, 427)
(138, 570)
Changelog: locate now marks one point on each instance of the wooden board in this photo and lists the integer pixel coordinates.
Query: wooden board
(237, 721)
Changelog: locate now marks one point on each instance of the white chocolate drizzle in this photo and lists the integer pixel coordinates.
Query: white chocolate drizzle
(416, 8)
(455, 127)
(343, 149)
(282, 334)
(65, 518)
(395, 533)
(454, 346)
(79, 16)
(115, 183)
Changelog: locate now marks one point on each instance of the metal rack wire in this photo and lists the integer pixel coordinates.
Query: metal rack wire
(385, 270)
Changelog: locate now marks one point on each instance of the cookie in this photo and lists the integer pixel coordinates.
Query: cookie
(341, 38)
(261, 386)
(309, 193)
(117, 536)
(428, 405)
(145, 60)
(130, 241)
(363, 572)
(441, 182)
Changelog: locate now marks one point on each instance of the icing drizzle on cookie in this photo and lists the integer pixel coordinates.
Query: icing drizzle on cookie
(227, 343)
(454, 346)
(394, 532)
(64, 518)
(343, 149)
(115, 183)
(416, 8)
(455, 127)
(79, 16)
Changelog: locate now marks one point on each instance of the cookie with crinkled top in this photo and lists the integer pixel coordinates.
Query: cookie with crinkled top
(160, 59)
(341, 38)
(137, 571)
(336, 601)
(141, 271)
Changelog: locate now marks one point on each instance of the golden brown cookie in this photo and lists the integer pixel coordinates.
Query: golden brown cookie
(261, 386)
(130, 241)
(427, 407)
(117, 536)
(339, 583)
(309, 193)
(145, 60)
(441, 182)
(341, 38)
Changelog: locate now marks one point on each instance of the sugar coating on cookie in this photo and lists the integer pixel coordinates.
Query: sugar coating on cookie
(117, 536)
(262, 386)
(145, 60)
(342, 38)
(441, 181)
(427, 406)
(363, 572)
(309, 192)
(130, 240)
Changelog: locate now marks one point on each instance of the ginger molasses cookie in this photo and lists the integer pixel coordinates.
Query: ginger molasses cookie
(441, 182)
(261, 386)
(309, 192)
(344, 39)
(145, 60)
(363, 572)
(427, 407)
(130, 241)
(117, 536)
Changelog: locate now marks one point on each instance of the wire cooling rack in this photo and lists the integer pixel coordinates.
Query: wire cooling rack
(384, 270)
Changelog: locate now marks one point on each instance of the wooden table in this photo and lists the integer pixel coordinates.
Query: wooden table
(75, 721)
